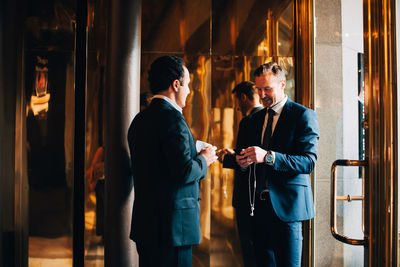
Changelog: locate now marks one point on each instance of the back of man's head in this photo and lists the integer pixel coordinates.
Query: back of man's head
(272, 67)
(248, 88)
(163, 71)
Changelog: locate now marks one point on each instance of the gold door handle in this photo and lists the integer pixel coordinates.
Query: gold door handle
(334, 198)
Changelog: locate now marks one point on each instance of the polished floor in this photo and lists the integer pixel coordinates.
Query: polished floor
(50, 252)
(224, 248)
(45, 252)
(57, 251)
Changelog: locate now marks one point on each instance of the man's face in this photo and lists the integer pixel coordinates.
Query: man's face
(184, 90)
(240, 104)
(270, 89)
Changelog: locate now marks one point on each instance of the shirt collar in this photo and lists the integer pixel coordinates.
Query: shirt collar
(279, 106)
(169, 100)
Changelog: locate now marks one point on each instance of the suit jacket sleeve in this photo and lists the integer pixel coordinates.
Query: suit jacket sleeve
(303, 160)
(230, 160)
(185, 165)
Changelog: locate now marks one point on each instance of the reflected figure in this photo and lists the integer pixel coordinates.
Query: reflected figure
(167, 171)
(247, 101)
(95, 176)
(278, 151)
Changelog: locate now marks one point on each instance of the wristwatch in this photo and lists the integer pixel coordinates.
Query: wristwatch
(269, 158)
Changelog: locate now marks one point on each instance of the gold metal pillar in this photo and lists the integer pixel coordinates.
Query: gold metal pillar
(304, 36)
(304, 80)
(381, 113)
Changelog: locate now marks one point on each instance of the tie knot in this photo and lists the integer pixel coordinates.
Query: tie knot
(271, 112)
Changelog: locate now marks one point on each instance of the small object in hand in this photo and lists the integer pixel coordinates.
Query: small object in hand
(200, 145)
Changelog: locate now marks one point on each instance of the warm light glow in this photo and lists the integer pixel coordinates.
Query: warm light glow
(40, 97)
(40, 104)
(262, 48)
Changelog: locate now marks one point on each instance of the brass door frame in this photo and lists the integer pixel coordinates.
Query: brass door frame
(381, 114)
(304, 80)
(381, 187)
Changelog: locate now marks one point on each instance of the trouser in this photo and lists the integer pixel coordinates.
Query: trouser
(163, 255)
(245, 229)
(99, 207)
(276, 243)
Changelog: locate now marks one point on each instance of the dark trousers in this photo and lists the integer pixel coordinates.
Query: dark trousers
(245, 230)
(266, 240)
(162, 255)
(99, 207)
(277, 243)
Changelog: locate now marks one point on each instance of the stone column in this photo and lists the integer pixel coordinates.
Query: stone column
(121, 103)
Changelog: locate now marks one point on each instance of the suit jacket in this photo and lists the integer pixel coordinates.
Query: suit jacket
(166, 173)
(230, 162)
(295, 143)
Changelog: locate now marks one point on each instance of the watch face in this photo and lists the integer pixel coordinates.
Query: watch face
(269, 158)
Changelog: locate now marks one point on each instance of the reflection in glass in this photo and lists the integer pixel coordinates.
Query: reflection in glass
(244, 27)
(94, 145)
(244, 34)
(285, 44)
(176, 26)
(50, 155)
(49, 90)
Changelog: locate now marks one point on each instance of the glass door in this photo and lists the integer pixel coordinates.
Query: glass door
(355, 101)
(339, 103)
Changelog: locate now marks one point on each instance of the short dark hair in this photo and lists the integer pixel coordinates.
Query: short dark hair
(270, 67)
(248, 88)
(163, 71)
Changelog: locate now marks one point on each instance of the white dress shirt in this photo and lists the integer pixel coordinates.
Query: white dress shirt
(169, 100)
(278, 110)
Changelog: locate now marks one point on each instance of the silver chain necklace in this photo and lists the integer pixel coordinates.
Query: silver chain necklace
(252, 199)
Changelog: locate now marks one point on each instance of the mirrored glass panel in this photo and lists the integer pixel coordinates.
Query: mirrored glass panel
(244, 35)
(254, 27)
(94, 150)
(176, 26)
(49, 90)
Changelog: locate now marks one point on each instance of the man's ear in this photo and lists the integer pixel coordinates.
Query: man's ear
(176, 85)
(243, 97)
(283, 84)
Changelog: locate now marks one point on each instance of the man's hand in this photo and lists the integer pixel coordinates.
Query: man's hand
(222, 152)
(250, 155)
(209, 154)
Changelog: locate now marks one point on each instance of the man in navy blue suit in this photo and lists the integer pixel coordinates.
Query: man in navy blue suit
(166, 171)
(277, 152)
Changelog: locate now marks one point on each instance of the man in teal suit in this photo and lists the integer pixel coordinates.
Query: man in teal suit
(166, 171)
(277, 152)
